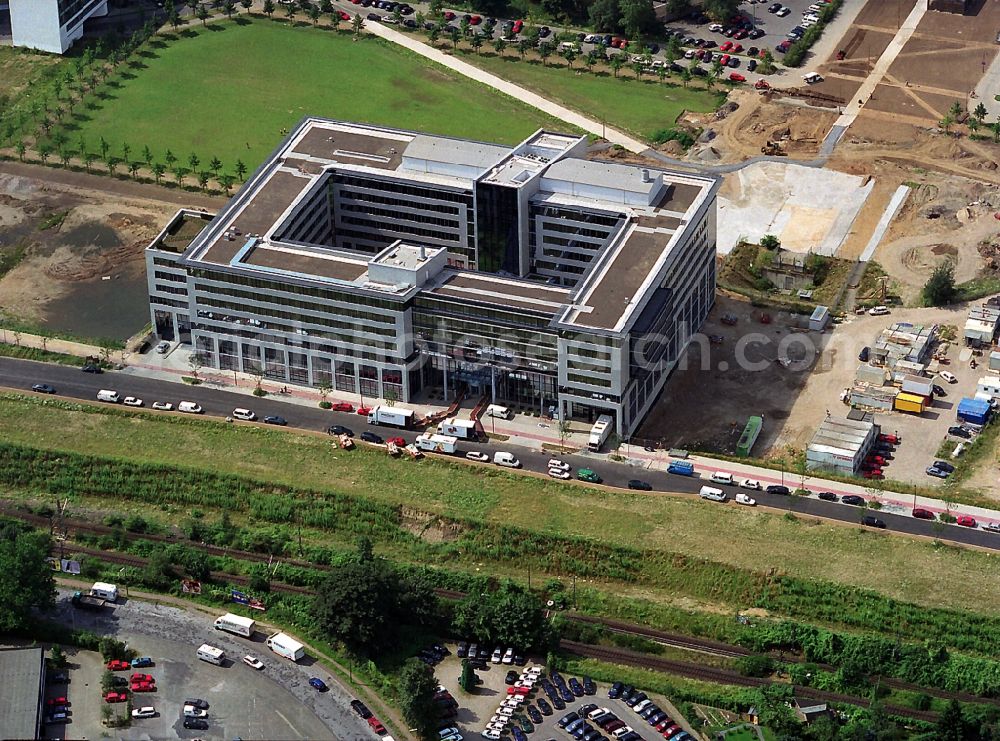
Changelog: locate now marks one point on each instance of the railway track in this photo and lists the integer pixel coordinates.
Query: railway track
(722, 676)
(688, 643)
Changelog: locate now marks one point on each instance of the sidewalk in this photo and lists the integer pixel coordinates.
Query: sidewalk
(523, 431)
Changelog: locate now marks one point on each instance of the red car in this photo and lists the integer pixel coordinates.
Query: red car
(449, 16)
(397, 441)
(115, 697)
(343, 406)
(737, 77)
(725, 46)
(518, 25)
(741, 34)
(475, 20)
(376, 725)
(142, 678)
(363, 411)
(344, 16)
(737, 48)
(923, 514)
(875, 459)
(143, 687)
(700, 54)
(966, 521)
(724, 60)
(117, 665)
(891, 439)
(55, 701)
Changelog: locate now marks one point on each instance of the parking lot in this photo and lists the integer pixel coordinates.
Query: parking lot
(476, 710)
(276, 702)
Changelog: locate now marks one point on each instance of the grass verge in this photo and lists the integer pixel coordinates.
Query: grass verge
(237, 86)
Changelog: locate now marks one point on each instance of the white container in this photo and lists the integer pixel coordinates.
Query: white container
(105, 591)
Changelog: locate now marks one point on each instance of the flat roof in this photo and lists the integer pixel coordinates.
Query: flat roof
(181, 231)
(501, 292)
(351, 144)
(303, 262)
(455, 151)
(20, 685)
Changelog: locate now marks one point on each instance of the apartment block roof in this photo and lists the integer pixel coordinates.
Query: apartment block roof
(20, 684)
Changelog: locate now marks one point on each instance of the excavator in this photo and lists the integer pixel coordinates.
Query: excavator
(772, 149)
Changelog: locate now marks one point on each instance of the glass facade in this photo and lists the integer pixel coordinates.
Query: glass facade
(496, 224)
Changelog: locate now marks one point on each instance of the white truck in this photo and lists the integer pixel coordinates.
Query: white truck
(391, 417)
(600, 431)
(286, 646)
(211, 654)
(105, 591)
(464, 429)
(236, 624)
(436, 443)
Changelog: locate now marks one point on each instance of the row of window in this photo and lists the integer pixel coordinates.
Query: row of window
(589, 380)
(407, 231)
(387, 186)
(306, 305)
(417, 218)
(160, 275)
(400, 202)
(492, 316)
(321, 293)
(176, 290)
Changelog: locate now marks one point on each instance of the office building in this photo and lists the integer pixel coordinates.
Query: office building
(50, 25)
(22, 692)
(382, 262)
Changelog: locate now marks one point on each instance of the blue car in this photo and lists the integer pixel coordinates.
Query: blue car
(141, 662)
(318, 684)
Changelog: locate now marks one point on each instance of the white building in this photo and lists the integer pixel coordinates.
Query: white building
(382, 262)
(50, 25)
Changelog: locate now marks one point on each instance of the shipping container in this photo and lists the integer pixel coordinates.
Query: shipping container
(910, 403)
(918, 385)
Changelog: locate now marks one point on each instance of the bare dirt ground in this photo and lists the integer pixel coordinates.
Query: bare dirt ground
(55, 237)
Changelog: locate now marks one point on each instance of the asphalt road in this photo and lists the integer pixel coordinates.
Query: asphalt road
(70, 382)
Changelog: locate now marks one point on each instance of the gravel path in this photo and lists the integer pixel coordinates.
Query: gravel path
(194, 628)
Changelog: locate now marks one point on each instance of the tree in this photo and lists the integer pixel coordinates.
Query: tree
(638, 67)
(522, 47)
(44, 152)
(357, 25)
(215, 165)
(314, 14)
(995, 127)
(241, 170)
(158, 170)
(247, 4)
(770, 242)
(229, 8)
(955, 111)
(570, 56)
(193, 161)
(433, 35)
(362, 604)
(940, 287)
(973, 124)
(721, 10)
(203, 15)
(499, 44)
(290, 11)
(979, 112)
(88, 160)
(268, 8)
(417, 687)
(678, 7)
(544, 51)
(717, 69)
(179, 174)
(26, 581)
(147, 156)
(510, 616)
(477, 42)
(605, 15)
(170, 158)
(226, 181)
(455, 36)
(638, 17)
(133, 168)
(946, 122)
(685, 76)
(951, 725)
(468, 680)
(112, 164)
(616, 64)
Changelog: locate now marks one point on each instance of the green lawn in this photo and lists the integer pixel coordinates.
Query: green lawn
(218, 90)
(916, 571)
(641, 107)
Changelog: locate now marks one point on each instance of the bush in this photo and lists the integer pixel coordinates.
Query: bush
(673, 133)
(325, 405)
(755, 665)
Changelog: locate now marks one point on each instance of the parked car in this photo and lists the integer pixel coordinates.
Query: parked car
(778, 489)
(198, 724)
(144, 712)
(339, 430)
(370, 437)
(960, 432)
(746, 499)
(474, 455)
(923, 514)
(586, 474)
(318, 684)
(872, 521)
(163, 406)
(854, 500)
(361, 709)
(639, 485)
(117, 665)
(966, 521)
(559, 473)
(752, 484)
(342, 406)
(949, 377)
(253, 662)
(274, 419)
(827, 496)
(43, 388)
(944, 466)
(936, 472)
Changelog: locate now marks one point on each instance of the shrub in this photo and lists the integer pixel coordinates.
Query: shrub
(325, 405)
(673, 133)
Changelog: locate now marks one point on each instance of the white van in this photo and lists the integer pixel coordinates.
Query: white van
(716, 495)
(211, 654)
(722, 478)
(190, 407)
(246, 414)
(495, 410)
(111, 397)
(503, 458)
